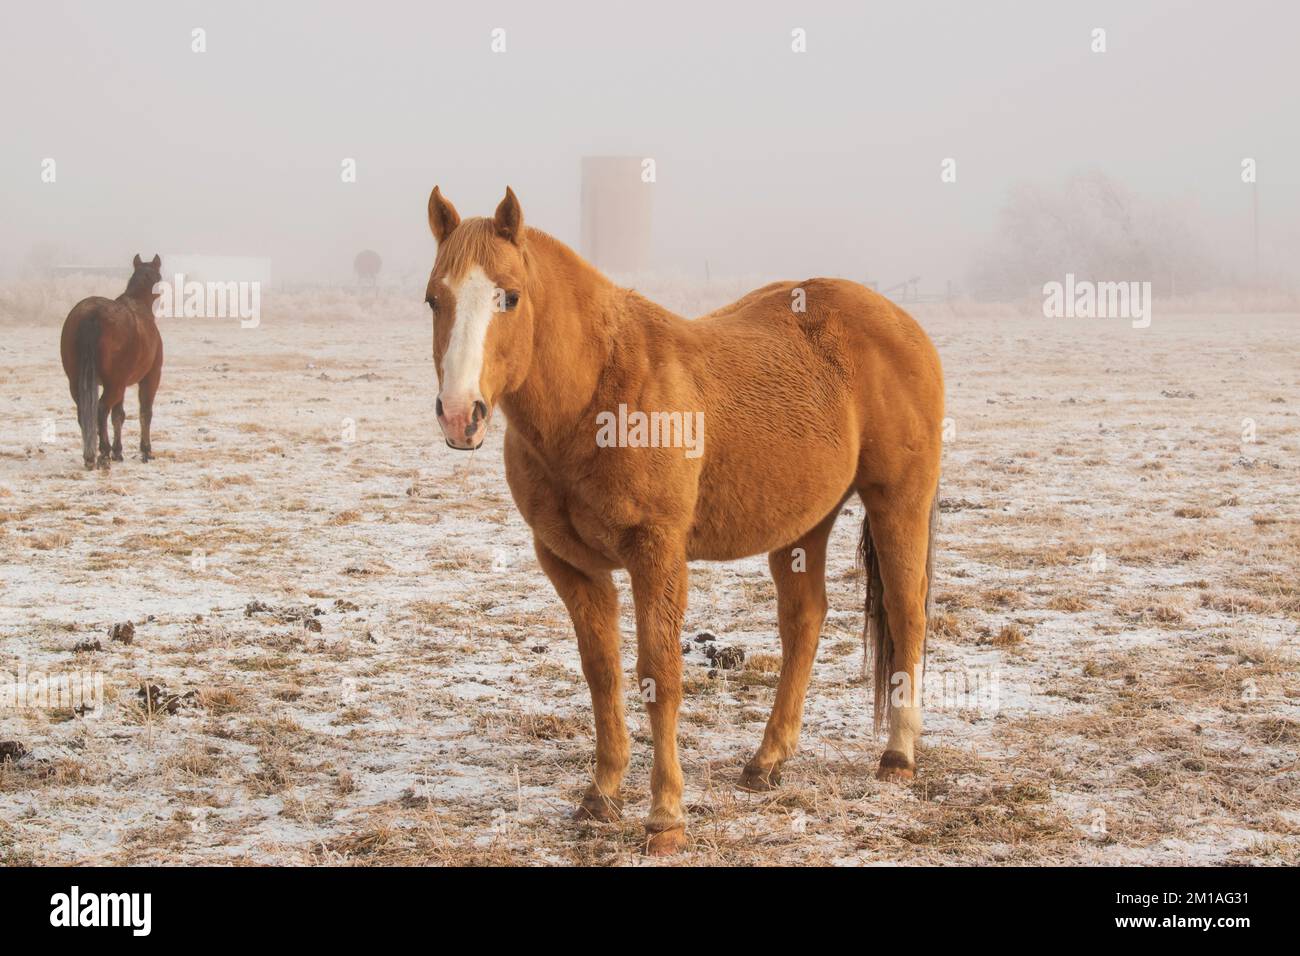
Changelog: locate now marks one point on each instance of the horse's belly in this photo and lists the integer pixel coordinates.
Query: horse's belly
(764, 513)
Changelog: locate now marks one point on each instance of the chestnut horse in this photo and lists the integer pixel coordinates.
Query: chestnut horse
(810, 391)
(114, 342)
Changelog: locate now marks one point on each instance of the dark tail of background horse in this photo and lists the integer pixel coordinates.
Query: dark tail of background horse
(879, 641)
(88, 386)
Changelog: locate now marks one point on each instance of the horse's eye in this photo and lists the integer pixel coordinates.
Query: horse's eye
(512, 300)
(433, 302)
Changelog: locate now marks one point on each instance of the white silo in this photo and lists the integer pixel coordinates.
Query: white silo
(615, 229)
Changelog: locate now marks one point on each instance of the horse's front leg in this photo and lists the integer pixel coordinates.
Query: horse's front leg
(592, 601)
(656, 563)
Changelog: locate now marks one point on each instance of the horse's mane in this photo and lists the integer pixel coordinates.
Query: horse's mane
(140, 283)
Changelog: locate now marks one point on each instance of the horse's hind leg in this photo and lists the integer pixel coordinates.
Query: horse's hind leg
(899, 525)
(119, 416)
(108, 402)
(87, 429)
(104, 448)
(800, 575)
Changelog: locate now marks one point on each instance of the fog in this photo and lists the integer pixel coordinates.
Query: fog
(767, 161)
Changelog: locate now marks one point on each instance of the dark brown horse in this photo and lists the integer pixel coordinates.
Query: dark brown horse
(114, 343)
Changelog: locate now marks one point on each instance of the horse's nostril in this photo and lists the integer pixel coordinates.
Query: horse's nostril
(480, 412)
(438, 407)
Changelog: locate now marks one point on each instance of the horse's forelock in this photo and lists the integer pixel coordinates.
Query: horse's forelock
(472, 243)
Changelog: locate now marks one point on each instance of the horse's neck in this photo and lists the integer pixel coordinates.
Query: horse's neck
(140, 304)
(577, 314)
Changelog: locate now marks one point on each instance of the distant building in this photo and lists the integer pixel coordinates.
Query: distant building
(122, 272)
(615, 229)
(195, 267)
(204, 268)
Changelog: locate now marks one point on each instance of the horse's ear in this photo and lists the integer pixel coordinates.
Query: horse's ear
(509, 218)
(443, 217)
(136, 262)
(157, 261)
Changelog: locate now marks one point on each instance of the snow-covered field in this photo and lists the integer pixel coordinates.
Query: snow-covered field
(358, 660)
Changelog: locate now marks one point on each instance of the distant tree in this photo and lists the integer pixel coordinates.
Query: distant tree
(1090, 226)
(367, 265)
(44, 255)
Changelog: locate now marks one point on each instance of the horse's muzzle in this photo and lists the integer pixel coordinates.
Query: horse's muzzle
(464, 424)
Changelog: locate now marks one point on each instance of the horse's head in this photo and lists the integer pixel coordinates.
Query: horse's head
(482, 317)
(145, 276)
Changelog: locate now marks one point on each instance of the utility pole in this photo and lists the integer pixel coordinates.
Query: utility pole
(1254, 204)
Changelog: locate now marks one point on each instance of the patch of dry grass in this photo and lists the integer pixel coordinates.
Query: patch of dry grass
(1150, 705)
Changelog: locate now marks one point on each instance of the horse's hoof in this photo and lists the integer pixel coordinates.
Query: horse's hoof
(600, 808)
(757, 779)
(665, 842)
(90, 465)
(895, 768)
(117, 456)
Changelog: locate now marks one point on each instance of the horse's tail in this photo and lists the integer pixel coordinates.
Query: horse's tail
(88, 385)
(876, 636)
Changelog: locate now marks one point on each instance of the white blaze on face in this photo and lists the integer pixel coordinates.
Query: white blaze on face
(462, 364)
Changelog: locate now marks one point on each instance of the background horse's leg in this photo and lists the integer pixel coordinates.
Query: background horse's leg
(800, 575)
(899, 523)
(106, 402)
(592, 601)
(656, 563)
(119, 416)
(148, 389)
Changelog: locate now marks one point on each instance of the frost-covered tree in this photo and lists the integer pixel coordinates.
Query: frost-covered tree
(1091, 226)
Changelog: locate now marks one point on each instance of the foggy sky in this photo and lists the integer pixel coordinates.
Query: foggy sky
(768, 162)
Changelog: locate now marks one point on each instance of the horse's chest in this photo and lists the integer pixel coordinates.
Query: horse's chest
(581, 522)
(569, 522)
(590, 522)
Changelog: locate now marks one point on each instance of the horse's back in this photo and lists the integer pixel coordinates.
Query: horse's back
(822, 377)
(126, 349)
(822, 327)
(812, 303)
(95, 305)
(106, 310)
